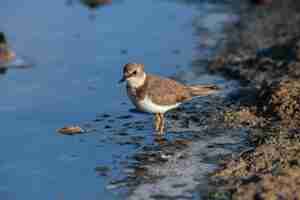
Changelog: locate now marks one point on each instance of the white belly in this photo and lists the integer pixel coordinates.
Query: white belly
(146, 105)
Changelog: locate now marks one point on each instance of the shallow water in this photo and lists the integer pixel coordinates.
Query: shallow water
(77, 55)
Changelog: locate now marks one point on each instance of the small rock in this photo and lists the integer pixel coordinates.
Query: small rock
(70, 130)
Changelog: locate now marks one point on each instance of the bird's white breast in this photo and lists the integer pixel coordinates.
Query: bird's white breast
(147, 105)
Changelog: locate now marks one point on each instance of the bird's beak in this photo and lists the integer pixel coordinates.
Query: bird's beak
(122, 80)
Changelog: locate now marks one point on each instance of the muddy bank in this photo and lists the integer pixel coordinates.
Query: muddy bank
(262, 52)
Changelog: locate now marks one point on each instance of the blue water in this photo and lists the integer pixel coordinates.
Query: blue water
(77, 55)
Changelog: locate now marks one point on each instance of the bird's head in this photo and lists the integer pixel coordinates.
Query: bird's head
(134, 74)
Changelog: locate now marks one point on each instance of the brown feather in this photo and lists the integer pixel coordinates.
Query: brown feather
(202, 90)
(163, 91)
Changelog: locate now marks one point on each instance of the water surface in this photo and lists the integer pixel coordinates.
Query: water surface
(78, 54)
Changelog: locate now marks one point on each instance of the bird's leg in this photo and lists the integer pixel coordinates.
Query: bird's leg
(161, 126)
(157, 121)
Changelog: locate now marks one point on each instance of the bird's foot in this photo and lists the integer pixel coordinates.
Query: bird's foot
(157, 122)
(160, 130)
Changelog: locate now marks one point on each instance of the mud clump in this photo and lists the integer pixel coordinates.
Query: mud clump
(283, 100)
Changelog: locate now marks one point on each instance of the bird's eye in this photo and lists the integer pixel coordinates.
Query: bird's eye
(135, 72)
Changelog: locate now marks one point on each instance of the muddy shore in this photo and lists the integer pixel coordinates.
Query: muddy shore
(265, 56)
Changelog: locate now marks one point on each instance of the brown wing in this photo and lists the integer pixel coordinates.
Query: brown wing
(166, 91)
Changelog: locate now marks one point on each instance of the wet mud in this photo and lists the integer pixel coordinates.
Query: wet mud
(266, 64)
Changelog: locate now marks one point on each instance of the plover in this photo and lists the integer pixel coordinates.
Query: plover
(6, 54)
(157, 95)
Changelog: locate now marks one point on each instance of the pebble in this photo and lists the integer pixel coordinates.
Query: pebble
(70, 130)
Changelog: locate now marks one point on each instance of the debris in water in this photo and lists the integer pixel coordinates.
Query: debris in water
(6, 55)
(70, 130)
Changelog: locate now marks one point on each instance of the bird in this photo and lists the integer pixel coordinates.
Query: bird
(6, 54)
(157, 95)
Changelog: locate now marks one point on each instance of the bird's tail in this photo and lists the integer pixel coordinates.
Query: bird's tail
(203, 90)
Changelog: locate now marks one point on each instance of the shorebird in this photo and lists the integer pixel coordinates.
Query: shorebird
(6, 54)
(157, 95)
